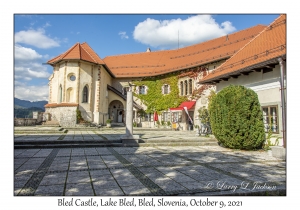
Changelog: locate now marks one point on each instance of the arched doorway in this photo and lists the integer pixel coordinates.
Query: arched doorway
(116, 111)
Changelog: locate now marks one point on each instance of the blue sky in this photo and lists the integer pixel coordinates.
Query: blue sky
(40, 37)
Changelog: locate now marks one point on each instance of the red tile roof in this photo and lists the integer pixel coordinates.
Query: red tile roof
(78, 52)
(162, 62)
(266, 46)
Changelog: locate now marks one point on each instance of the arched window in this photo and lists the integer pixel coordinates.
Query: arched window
(181, 88)
(70, 95)
(165, 89)
(142, 90)
(60, 94)
(85, 94)
(185, 87)
(190, 86)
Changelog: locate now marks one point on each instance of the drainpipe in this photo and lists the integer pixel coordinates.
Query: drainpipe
(283, 105)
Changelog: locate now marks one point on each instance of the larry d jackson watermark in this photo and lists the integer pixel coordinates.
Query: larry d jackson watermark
(224, 185)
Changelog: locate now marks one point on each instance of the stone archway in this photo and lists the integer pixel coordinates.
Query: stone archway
(116, 111)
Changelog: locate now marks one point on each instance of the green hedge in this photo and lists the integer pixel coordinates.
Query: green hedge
(236, 118)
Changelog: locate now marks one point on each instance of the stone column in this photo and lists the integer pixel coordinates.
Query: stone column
(129, 139)
(129, 113)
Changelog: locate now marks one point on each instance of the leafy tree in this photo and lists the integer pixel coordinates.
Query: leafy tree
(236, 118)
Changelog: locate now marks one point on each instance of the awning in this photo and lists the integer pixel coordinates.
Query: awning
(187, 104)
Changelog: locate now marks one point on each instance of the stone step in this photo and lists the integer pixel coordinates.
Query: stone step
(43, 146)
(115, 143)
(172, 144)
(70, 142)
(177, 140)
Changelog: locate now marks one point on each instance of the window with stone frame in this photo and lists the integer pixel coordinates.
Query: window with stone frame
(185, 87)
(85, 94)
(166, 116)
(176, 117)
(142, 90)
(60, 94)
(190, 86)
(270, 118)
(181, 88)
(166, 89)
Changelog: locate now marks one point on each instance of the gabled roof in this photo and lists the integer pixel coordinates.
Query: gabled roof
(166, 61)
(78, 52)
(264, 49)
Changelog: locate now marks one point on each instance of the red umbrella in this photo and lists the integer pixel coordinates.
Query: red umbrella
(155, 116)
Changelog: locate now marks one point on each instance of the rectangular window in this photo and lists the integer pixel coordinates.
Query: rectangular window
(176, 117)
(166, 116)
(181, 88)
(185, 87)
(190, 86)
(166, 89)
(270, 117)
(142, 90)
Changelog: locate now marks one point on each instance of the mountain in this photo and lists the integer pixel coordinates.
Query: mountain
(28, 104)
(24, 108)
(26, 112)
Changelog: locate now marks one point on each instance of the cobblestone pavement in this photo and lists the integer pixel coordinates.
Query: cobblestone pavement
(117, 171)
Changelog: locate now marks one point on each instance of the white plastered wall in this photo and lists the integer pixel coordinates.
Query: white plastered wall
(267, 87)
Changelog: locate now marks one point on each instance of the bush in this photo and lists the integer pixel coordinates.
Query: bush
(236, 118)
(108, 121)
(78, 116)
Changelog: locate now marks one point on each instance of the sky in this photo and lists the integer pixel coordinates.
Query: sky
(40, 37)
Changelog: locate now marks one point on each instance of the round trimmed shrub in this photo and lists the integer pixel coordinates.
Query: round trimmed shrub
(236, 118)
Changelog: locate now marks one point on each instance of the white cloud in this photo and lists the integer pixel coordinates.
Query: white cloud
(46, 25)
(23, 53)
(123, 35)
(31, 93)
(38, 74)
(28, 64)
(193, 30)
(35, 38)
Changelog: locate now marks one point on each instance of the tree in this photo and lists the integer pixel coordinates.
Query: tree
(236, 118)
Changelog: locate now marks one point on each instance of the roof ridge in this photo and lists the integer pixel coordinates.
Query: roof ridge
(232, 57)
(135, 53)
(192, 45)
(68, 51)
(62, 55)
(225, 64)
(87, 51)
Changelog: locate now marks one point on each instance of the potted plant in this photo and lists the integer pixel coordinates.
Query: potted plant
(108, 123)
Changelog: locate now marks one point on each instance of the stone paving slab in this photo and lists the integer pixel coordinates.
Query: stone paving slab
(114, 171)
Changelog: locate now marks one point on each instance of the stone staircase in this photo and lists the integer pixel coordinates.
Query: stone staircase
(111, 143)
(51, 123)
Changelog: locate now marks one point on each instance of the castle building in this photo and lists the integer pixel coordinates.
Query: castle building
(96, 88)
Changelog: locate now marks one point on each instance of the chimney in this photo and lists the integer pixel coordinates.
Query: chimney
(148, 49)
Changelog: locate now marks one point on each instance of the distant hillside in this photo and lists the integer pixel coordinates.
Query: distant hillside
(24, 108)
(26, 112)
(27, 104)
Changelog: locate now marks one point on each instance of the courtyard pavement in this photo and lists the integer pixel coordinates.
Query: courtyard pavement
(142, 171)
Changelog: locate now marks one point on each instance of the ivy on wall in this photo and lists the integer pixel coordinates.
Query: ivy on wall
(155, 100)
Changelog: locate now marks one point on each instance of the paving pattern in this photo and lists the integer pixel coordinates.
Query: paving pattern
(118, 171)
